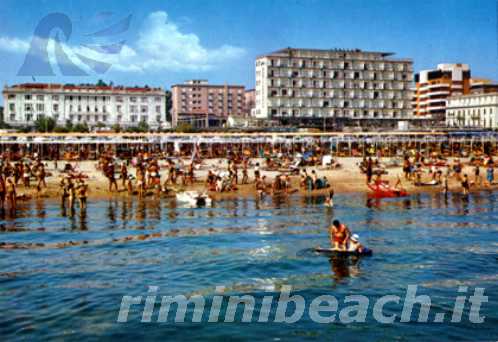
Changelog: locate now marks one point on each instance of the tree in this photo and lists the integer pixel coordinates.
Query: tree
(184, 128)
(44, 124)
(143, 127)
(68, 126)
(116, 128)
(60, 129)
(101, 83)
(80, 128)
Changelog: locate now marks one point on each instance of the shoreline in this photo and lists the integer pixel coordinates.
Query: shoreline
(344, 180)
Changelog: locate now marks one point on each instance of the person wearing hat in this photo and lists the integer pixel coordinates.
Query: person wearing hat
(354, 244)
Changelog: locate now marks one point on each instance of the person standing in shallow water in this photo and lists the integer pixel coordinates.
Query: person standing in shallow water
(10, 187)
(339, 235)
(81, 193)
(2, 192)
(465, 185)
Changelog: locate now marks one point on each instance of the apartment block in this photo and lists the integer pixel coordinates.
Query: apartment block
(333, 87)
(201, 104)
(434, 87)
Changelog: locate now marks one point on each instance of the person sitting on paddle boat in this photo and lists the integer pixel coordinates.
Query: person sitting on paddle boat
(339, 235)
(355, 245)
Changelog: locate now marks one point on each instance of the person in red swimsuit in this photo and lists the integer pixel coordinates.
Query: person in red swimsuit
(339, 235)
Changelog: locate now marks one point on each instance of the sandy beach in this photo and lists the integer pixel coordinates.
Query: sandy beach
(346, 179)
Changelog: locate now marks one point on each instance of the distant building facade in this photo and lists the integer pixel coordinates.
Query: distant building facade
(473, 111)
(250, 96)
(200, 104)
(483, 86)
(108, 105)
(332, 87)
(434, 87)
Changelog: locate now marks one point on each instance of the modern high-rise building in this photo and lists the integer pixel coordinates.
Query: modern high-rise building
(90, 104)
(205, 105)
(433, 87)
(333, 88)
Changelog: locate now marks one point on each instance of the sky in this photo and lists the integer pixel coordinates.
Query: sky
(161, 43)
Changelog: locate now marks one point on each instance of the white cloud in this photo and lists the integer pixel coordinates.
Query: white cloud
(15, 45)
(160, 46)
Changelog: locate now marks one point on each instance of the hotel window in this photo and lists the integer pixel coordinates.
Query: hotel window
(40, 107)
(133, 99)
(133, 118)
(12, 117)
(55, 107)
(29, 117)
(118, 108)
(40, 97)
(12, 96)
(158, 109)
(157, 99)
(119, 99)
(143, 118)
(143, 109)
(55, 97)
(27, 97)
(133, 109)
(118, 118)
(12, 107)
(158, 118)
(144, 99)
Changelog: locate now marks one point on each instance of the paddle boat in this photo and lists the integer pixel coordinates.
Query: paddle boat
(339, 252)
(385, 192)
(193, 198)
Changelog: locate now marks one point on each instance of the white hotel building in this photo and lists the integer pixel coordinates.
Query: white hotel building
(108, 105)
(473, 111)
(317, 86)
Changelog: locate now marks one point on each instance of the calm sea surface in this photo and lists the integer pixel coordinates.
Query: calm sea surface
(249, 247)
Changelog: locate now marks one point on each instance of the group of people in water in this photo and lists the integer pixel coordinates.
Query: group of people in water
(20, 173)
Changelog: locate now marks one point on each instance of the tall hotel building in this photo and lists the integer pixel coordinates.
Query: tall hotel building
(108, 105)
(333, 87)
(434, 87)
(204, 105)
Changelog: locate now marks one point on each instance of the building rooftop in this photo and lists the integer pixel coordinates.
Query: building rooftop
(88, 87)
(288, 51)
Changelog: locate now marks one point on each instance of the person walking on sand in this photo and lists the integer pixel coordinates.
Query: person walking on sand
(490, 175)
(111, 177)
(477, 175)
(124, 174)
(245, 174)
(40, 176)
(369, 170)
